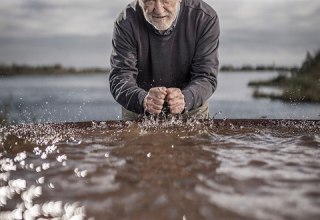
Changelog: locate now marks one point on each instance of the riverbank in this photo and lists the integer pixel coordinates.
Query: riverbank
(300, 86)
(56, 69)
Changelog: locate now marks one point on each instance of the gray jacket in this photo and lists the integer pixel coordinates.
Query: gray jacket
(187, 58)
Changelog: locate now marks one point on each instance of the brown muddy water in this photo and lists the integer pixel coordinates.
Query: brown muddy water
(217, 169)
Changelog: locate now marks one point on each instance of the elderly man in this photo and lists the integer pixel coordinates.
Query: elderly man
(165, 58)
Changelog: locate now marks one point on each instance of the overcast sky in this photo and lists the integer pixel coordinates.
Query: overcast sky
(78, 32)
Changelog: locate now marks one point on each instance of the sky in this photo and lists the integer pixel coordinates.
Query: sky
(78, 32)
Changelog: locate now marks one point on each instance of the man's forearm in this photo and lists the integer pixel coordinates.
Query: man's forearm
(198, 92)
(126, 92)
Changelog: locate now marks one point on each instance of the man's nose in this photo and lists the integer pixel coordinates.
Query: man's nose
(159, 7)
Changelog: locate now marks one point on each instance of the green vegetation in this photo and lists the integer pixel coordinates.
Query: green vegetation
(15, 69)
(279, 81)
(262, 68)
(302, 86)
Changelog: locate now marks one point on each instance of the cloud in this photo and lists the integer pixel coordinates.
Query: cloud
(79, 51)
(268, 31)
(47, 17)
(252, 31)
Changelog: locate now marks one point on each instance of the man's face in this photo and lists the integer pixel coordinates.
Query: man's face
(160, 13)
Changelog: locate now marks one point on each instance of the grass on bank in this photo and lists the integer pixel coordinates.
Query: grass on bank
(56, 69)
(302, 86)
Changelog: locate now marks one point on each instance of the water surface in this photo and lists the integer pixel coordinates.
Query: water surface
(73, 98)
(221, 169)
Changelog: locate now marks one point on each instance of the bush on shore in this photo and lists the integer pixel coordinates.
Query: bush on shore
(302, 86)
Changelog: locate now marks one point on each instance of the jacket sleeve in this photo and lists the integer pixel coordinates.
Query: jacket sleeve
(205, 65)
(124, 71)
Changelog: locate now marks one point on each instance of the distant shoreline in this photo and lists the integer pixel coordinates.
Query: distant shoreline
(300, 86)
(258, 68)
(57, 69)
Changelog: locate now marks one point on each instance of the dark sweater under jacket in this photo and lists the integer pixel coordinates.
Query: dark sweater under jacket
(187, 58)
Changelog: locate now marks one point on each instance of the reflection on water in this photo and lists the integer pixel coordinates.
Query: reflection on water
(221, 169)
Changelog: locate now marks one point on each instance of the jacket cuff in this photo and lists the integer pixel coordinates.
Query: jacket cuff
(141, 97)
(188, 98)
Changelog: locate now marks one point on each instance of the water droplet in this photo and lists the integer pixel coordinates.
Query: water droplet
(37, 151)
(40, 180)
(43, 156)
(23, 163)
(31, 166)
(45, 166)
(83, 173)
(61, 158)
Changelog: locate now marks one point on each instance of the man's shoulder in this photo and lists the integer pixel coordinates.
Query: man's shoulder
(201, 7)
(128, 13)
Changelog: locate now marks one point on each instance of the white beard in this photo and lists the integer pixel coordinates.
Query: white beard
(165, 25)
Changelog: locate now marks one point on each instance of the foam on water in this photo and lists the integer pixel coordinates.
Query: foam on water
(153, 169)
(44, 139)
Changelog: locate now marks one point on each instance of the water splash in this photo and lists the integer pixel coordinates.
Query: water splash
(216, 114)
(221, 165)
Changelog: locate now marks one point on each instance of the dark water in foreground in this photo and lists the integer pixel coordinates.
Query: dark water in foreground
(222, 169)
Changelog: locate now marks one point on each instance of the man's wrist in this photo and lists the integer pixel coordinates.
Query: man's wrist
(145, 103)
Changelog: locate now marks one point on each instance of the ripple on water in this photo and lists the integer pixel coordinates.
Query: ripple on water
(160, 170)
(287, 169)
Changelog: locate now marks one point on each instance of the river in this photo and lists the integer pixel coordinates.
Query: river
(71, 98)
(227, 169)
(238, 167)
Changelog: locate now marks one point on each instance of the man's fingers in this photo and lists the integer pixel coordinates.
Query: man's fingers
(162, 90)
(174, 93)
(158, 92)
(175, 100)
(153, 109)
(158, 95)
(151, 105)
(155, 100)
(176, 109)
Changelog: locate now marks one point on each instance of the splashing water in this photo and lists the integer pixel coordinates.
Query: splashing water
(215, 169)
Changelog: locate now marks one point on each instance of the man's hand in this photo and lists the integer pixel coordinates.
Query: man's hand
(175, 100)
(153, 102)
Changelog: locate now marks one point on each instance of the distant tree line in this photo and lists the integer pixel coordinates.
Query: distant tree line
(248, 68)
(302, 86)
(16, 69)
(23, 69)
